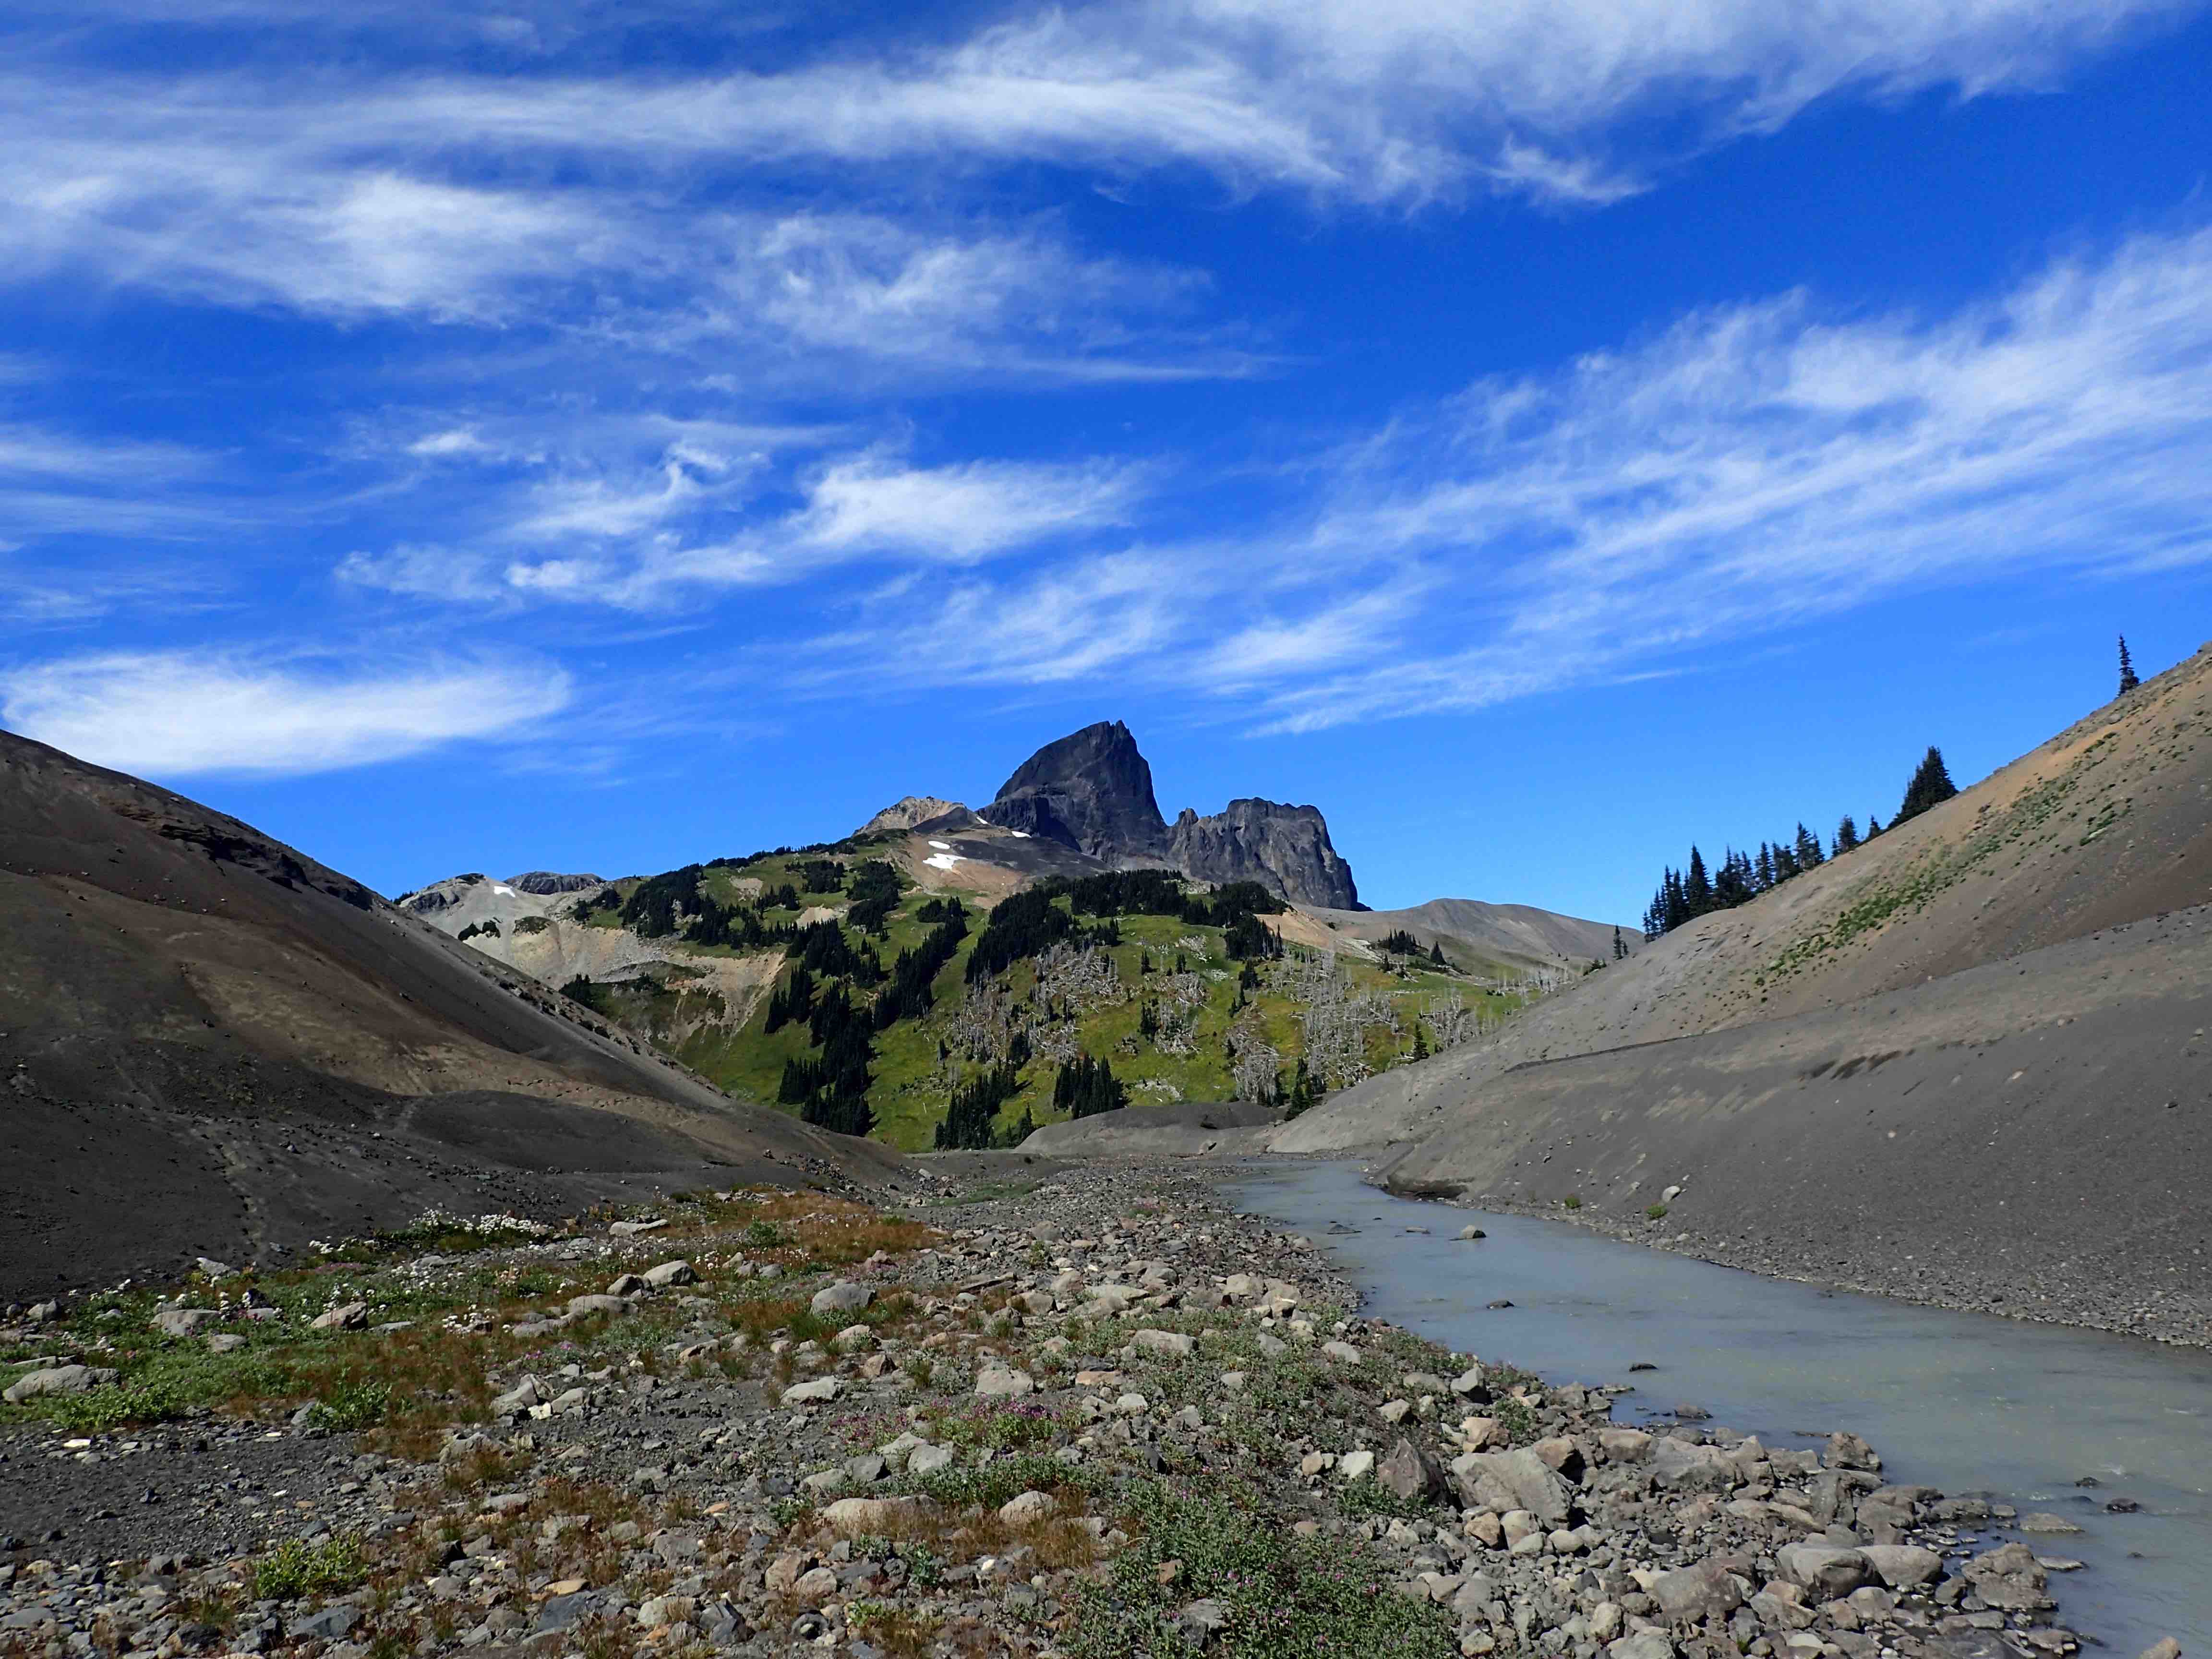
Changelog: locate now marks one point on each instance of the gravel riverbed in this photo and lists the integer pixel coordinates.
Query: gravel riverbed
(1104, 1415)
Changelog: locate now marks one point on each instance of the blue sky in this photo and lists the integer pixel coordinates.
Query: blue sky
(490, 436)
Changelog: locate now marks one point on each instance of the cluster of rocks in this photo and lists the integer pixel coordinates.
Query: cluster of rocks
(951, 1458)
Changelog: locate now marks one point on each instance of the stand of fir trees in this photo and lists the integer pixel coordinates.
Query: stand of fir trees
(967, 1120)
(1086, 1087)
(1696, 891)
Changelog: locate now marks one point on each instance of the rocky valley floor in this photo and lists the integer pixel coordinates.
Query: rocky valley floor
(1099, 1416)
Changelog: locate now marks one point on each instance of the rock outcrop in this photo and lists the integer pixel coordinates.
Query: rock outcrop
(1091, 791)
(908, 812)
(547, 883)
(1285, 849)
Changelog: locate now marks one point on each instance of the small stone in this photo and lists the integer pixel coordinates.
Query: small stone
(224, 1342)
(1343, 1353)
(1172, 1345)
(2051, 1524)
(1003, 1382)
(626, 1284)
(349, 1317)
(668, 1273)
(815, 1587)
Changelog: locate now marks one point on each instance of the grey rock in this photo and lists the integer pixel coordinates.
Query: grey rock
(1903, 1566)
(1505, 1481)
(842, 1297)
(185, 1322)
(1823, 1570)
(564, 1613)
(329, 1624)
(1643, 1645)
(57, 1379)
(1201, 1621)
(1697, 1592)
(1411, 1472)
(1684, 1466)
(671, 1272)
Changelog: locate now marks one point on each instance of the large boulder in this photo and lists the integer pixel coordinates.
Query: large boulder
(1686, 1466)
(1412, 1474)
(57, 1379)
(1824, 1571)
(1903, 1566)
(1502, 1482)
(1696, 1593)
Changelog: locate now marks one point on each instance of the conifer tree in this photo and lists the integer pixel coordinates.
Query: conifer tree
(1809, 855)
(1931, 786)
(2128, 680)
(1697, 886)
(1619, 950)
(1847, 835)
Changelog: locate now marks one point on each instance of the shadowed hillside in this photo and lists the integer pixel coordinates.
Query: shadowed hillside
(1965, 930)
(212, 1043)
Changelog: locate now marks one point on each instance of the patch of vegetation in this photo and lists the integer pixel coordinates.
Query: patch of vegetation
(1286, 1597)
(296, 1568)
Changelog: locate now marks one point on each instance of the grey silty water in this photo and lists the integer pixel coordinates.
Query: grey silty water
(1969, 1403)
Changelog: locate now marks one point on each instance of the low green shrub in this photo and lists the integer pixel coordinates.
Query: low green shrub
(296, 1568)
(1286, 1597)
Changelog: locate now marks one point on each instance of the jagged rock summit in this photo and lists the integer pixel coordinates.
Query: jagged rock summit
(1285, 848)
(1092, 791)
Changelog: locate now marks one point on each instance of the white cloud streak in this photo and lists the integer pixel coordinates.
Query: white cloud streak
(173, 714)
(1752, 468)
(656, 535)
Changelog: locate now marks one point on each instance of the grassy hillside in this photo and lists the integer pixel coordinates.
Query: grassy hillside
(1184, 993)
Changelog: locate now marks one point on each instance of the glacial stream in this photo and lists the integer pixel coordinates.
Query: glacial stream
(1970, 1404)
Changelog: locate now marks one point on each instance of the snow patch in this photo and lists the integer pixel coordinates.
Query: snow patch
(498, 891)
(1019, 834)
(942, 846)
(943, 860)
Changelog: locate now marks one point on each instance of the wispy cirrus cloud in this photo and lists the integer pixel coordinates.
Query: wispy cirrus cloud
(1750, 468)
(184, 714)
(694, 520)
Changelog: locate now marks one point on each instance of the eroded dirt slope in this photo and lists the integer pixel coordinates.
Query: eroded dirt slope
(211, 1043)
